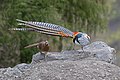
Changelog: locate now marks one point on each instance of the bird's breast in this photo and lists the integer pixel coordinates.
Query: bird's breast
(44, 47)
(82, 41)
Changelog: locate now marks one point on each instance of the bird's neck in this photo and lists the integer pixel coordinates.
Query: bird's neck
(75, 33)
(74, 36)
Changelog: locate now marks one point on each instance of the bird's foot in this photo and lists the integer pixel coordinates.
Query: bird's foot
(45, 57)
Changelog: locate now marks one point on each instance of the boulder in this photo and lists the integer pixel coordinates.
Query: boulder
(102, 51)
(98, 50)
(94, 62)
(86, 69)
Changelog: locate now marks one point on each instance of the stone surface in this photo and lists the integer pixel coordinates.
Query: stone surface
(94, 63)
(98, 49)
(87, 69)
(102, 51)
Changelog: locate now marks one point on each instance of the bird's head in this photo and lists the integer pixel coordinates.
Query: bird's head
(87, 36)
(46, 43)
(81, 38)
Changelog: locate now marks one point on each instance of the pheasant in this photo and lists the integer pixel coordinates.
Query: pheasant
(79, 38)
(43, 46)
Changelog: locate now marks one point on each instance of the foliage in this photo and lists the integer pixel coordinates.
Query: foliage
(89, 16)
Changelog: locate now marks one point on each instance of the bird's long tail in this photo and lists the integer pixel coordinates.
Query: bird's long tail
(37, 26)
(47, 28)
(21, 29)
(31, 45)
(35, 30)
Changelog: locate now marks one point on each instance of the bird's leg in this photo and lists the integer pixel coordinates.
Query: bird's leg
(82, 49)
(74, 47)
(45, 56)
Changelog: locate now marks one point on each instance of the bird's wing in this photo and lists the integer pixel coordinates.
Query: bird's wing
(47, 27)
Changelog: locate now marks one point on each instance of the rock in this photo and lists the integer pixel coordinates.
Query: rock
(37, 58)
(10, 74)
(22, 67)
(65, 55)
(14, 73)
(87, 69)
(94, 63)
(102, 51)
(98, 49)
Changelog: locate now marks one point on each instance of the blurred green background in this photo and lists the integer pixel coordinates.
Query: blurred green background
(99, 18)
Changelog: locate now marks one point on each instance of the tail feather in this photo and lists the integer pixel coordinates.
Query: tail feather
(35, 25)
(21, 21)
(32, 45)
(43, 26)
(46, 28)
(31, 29)
(21, 24)
(48, 33)
(21, 29)
(37, 28)
(41, 29)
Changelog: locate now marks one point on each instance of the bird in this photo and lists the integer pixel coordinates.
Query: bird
(43, 46)
(79, 38)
